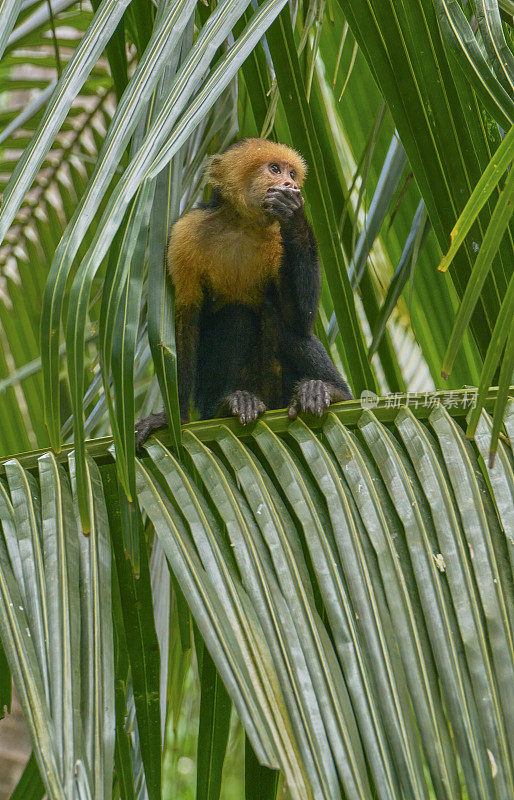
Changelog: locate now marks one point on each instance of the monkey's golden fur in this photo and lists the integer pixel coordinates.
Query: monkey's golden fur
(232, 250)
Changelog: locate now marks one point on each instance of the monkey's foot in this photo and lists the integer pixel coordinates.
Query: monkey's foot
(146, 426)
(312, 397)
(283, 204)
(245, 406)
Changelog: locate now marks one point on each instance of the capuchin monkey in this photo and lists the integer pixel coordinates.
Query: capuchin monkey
(247, 281)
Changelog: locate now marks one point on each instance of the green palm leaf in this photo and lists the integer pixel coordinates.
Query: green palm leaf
(401, 546)
(9, 10)
(399, 504)
(74, 76)
(67, 696)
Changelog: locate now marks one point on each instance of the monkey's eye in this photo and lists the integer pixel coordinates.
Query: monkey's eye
(293, 175)
(274, 168)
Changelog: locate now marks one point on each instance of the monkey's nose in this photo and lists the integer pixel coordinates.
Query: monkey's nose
(289, 185)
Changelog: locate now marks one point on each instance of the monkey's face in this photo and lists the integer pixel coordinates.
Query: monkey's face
(281, 174)
(277, 174)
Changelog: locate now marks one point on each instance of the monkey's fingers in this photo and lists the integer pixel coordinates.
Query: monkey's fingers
(283, 203)
(275, 207)
(244, 405)
(288, 198)
(312, 397)
(146, 426)
(294, 197)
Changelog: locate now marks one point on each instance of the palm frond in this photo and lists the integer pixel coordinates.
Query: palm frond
(502, 338)
(30, 243)
(410, 571)
(367, 588)
(55, 622)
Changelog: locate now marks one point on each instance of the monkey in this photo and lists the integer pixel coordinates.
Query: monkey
(247, 282)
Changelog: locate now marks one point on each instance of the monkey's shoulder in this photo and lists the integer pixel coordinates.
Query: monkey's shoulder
(211, 247)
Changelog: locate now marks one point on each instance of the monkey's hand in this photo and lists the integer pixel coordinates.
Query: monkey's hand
(314, 397)
(283, 204)
(146, 426)
(244, 405)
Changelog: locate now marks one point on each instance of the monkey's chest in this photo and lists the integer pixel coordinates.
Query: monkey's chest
(241, 264)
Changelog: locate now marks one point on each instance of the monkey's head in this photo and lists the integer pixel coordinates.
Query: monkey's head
(246, 171)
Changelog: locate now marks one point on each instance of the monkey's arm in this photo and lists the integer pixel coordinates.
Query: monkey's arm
(300, 274)
(311, 381)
